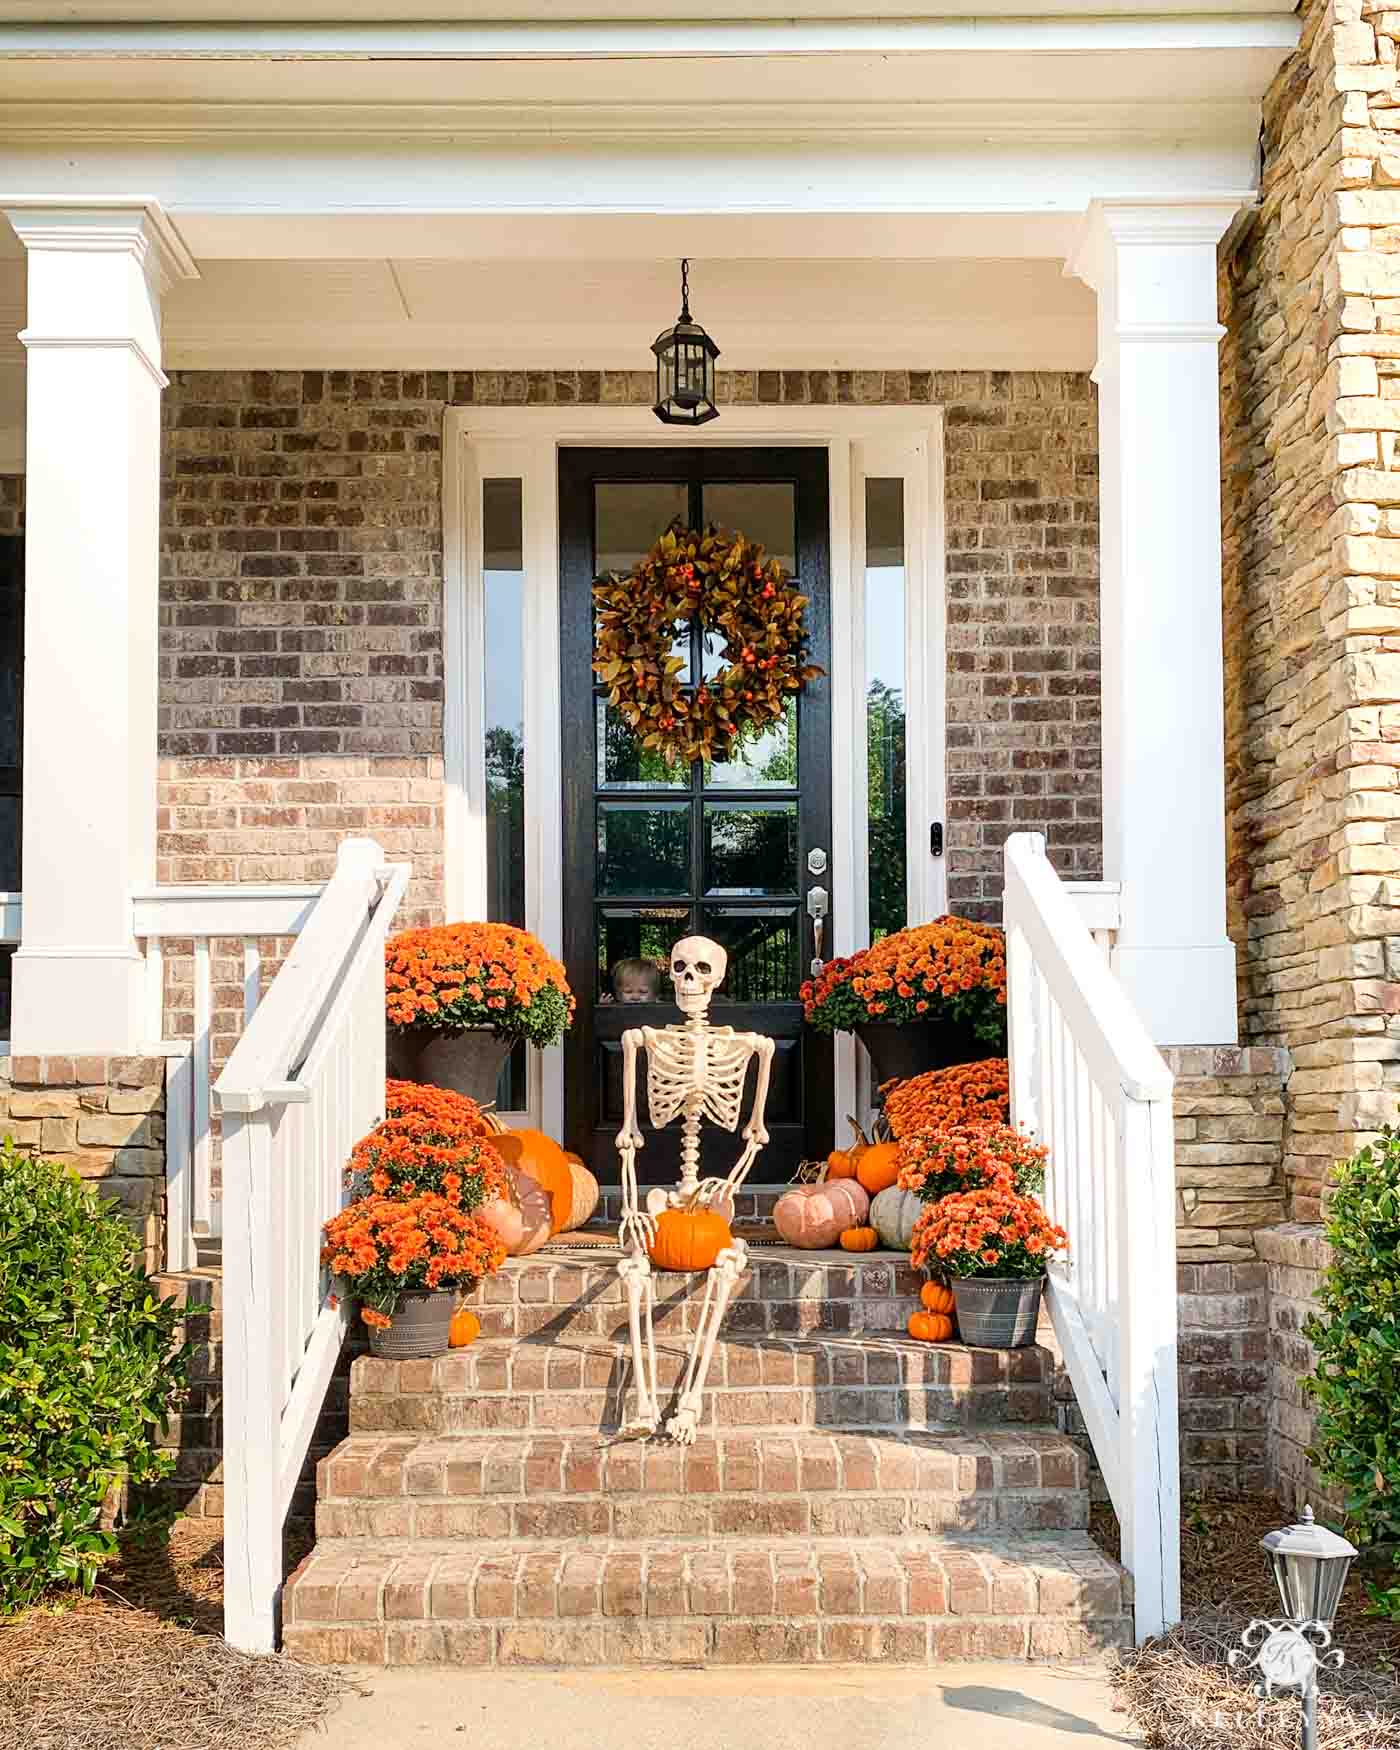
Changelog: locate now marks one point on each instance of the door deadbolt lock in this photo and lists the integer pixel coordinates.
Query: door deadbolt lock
(816, 861)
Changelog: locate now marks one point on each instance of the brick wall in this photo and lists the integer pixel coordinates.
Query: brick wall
(104, 1117)
(1311, 299)
(1294, 1255)
(1229, 1109)
(301, 681)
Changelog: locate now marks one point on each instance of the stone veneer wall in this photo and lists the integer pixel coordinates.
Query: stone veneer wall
(1311, 412)
(301, 684)
(104, 1117)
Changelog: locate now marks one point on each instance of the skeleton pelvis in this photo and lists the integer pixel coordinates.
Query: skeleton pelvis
(659, 1198)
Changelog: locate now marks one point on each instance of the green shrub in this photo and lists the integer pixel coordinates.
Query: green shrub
(1357, 1336)
(89, 1371)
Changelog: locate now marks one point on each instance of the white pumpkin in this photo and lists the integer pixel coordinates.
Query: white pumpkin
(893, 1213)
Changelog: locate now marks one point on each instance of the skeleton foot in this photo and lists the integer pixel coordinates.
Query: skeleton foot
(683, 1424)
(641, 1425)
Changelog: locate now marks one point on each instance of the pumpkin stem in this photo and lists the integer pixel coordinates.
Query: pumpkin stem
(861, 1138)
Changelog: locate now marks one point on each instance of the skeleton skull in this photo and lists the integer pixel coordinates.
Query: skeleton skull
(697, 970)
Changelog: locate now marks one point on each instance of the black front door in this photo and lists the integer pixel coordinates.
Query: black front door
(653, 853)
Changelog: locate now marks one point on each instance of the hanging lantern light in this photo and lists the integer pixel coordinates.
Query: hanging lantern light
(685, 368)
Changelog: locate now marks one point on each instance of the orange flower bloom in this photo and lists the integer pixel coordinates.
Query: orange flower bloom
(943, 1098)
(953, 969)
(442, 976)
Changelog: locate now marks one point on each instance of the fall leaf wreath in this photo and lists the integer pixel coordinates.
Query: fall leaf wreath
(723, 582)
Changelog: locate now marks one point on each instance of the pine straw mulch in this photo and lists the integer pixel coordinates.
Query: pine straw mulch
(141, 1665)
(1181, 1694)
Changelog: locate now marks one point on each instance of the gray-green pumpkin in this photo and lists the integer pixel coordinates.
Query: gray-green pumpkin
(893, 1214)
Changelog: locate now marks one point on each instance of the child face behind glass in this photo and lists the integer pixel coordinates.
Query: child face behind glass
(638, 987)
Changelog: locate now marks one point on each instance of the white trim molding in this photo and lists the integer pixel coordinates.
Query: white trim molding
(524, 442)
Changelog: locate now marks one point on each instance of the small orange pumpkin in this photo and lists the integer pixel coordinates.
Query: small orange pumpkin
(878, 1167)
(937, 1297)
(841, 1163)
(859, 1239)
(464, 1329)
(542, 1159)
(930, 1327)
(688, 1239)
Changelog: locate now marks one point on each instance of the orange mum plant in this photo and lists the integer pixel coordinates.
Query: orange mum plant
(940, 1099)
(971, 1157)
(992, 1232)
(429, 1140)
(455, 976)
(950, 970)
(382, 1247)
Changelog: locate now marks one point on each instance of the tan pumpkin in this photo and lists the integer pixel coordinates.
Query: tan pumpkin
(521, 1217)
(859, 1239)
(937, 1297)
(878, 1167)
(814, 1217)
(930, 1327)
(542, 1158)
(464, 1329)
(584, 1199)
(688, 1239)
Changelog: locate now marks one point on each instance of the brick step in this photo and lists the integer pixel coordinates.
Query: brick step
(782, 1293)
(732, 1485)
(792, 1600)
(556, 1384)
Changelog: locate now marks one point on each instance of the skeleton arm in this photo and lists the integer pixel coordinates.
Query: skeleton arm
(636, 1230)
(719, 1191)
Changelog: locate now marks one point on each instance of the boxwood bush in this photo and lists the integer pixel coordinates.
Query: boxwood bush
(1356, 1332)
(89, 1371)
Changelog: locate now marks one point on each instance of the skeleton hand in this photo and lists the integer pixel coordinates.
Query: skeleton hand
(716, 1194)
(636, 1231)
(683, 1424)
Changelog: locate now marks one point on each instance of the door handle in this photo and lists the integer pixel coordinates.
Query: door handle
(818, 902)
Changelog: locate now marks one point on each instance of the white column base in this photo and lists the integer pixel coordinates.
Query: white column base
(77, 1002)
(1183, 995)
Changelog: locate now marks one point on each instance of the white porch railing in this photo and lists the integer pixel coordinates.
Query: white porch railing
(304, 1083)
(198, 942)
(1088, 1083)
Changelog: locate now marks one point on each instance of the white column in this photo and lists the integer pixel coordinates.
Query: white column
(1153, 267)
(95, 275)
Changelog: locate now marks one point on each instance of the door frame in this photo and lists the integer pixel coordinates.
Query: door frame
(481, 443)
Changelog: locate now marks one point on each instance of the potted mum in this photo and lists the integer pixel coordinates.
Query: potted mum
(458, 997)
(994, 1244)
(942, 1099)
(920, 999)
(406, 1259)
(970, 1157)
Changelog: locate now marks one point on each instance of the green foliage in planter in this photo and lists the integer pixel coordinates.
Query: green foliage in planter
(89, 1371)
(1356, 1333)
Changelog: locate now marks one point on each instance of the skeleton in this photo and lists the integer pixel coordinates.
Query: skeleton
(696, 1070)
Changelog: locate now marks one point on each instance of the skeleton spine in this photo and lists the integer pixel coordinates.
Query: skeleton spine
(697, 1027)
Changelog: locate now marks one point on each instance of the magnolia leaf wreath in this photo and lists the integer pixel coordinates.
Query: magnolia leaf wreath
(723, 582)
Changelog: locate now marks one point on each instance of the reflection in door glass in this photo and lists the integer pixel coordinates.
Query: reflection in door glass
(503, 568)
(624, 764)
(644, 847)
(637, 932)
(768, 762)
(629, 515)
(761, 510)
(884, 705)
(762, 944)
(750, 847)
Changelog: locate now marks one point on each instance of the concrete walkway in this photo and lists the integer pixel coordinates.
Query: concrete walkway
(961, 1707)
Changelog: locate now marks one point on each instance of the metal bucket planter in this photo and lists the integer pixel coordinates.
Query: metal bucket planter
(998, 1312)
(466, 1062)
(422, 1326)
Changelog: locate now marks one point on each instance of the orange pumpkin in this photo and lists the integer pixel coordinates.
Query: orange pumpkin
(545, 1162)
(936, 1297)
(688, 1239)
(930, 1327)
(878, 1167)
(464, 1329)
(841, 1163)
(859, 1239)
(521, 1216)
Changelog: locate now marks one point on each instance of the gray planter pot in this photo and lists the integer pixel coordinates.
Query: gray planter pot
(468, 1062)
(998, 1312)
(421, 1327)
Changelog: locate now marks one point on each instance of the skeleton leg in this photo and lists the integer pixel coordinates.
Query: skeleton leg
(719, 1287)
(635, 1232)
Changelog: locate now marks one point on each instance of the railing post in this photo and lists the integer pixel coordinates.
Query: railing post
(1147, 1378)
(1021, 1041)
(252, 1400)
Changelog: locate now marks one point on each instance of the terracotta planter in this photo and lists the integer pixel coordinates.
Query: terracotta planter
(998, 1312)
(467, 1062)
(422, 1326)
(899, 1050)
